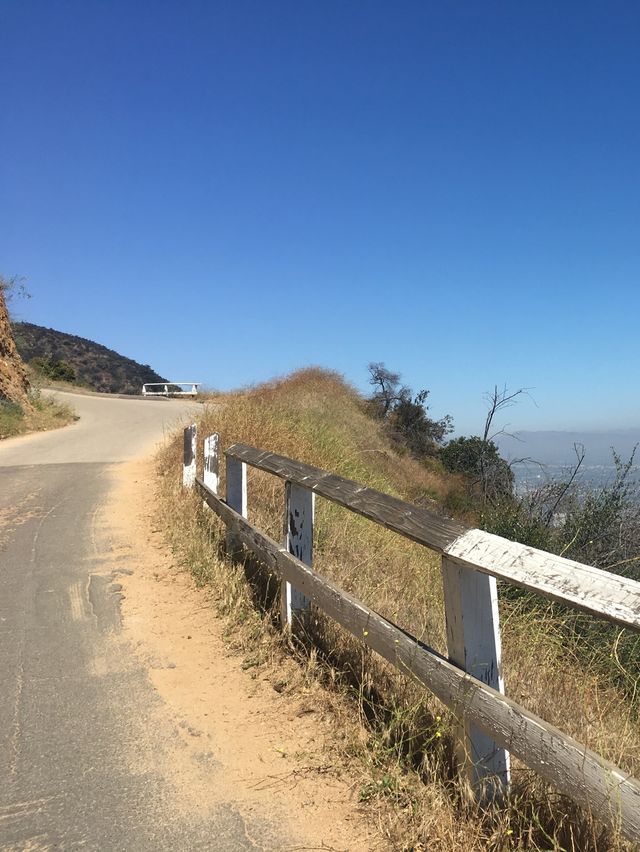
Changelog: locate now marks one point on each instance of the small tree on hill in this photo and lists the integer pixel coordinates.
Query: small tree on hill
(479, 457)
(406, 414)
(480, 460)
(388, 392)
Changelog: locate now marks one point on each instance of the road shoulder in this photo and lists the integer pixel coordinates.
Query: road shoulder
(261, 751)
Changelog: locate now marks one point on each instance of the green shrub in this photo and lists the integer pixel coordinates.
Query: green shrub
(405, 414)
(595, 526)
(480, 460)
(56, 371)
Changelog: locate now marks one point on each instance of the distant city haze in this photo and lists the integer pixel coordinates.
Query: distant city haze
(550, 455)
(556, 448)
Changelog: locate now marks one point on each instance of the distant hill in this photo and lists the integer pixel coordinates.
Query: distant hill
(95, 366)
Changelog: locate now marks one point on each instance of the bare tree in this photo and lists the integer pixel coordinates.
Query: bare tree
(497, 401)
(479, 457)
(388, 391)
(14, 286)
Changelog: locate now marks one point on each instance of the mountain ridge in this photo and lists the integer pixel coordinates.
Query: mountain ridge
(95, 365)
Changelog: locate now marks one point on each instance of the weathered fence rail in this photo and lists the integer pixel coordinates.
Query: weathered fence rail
(170, 388)
(492, 726)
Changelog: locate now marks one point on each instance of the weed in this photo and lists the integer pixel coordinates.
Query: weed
(38, 414)
(12, 418)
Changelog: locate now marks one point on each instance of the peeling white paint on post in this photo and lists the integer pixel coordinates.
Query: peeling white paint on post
(236, 498)
(473, 641)
(211, 476)
(189, 463)
(299, 515)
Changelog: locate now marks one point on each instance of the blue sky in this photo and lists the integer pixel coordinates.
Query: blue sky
(228, 191)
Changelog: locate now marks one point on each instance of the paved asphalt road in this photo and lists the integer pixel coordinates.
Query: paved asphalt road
(80, 740)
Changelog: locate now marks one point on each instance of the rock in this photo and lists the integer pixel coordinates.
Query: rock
(14, 384)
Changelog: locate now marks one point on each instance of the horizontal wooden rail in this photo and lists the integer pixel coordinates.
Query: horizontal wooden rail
(411, 521)
(169, 388)
(592, 590)
(611, 794)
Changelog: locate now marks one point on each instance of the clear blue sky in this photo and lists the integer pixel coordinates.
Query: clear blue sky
(231, 190)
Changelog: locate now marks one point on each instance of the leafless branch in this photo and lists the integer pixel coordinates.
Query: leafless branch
(580, 454)
(498, 400)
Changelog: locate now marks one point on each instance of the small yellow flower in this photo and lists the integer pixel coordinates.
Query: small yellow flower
(438, 734)
(509, 831)
(365, 632)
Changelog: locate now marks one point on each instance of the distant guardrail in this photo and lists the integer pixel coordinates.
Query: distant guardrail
(491, 725)
(171, 388)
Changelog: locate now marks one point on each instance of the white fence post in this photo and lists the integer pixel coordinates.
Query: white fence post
(473, 640)
(189, 463)
(299, 515)
(236, 498)
(211, 475)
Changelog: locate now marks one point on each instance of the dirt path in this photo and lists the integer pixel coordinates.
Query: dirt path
(235, 738)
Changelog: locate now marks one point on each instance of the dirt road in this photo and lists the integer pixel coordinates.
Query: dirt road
(127, 725)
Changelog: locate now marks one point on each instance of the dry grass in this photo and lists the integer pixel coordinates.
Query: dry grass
(398, 734)
(39, 414)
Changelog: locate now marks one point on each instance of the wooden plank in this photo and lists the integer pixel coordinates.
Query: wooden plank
(598, 592)
(612, 795)
(189, 456)
(414, 522)
(299, 515)
(473, 644)
(211, 474)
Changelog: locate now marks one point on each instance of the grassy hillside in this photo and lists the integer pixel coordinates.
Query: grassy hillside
(38, 415)
(398, 734)
(94, 366)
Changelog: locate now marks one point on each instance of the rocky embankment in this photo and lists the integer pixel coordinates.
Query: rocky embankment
(14, 384)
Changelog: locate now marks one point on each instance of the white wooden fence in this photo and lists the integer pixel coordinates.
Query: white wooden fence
(170, 388)
(470, 682)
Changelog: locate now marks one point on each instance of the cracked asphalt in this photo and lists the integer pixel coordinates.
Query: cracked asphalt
(83, 745)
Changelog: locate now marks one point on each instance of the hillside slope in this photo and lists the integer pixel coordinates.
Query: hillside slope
(95, 365)
(400, 733)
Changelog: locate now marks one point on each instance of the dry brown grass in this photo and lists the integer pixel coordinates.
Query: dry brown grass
(398, 734)
(38, 414)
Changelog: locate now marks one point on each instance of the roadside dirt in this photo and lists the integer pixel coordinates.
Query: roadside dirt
(237, 740)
